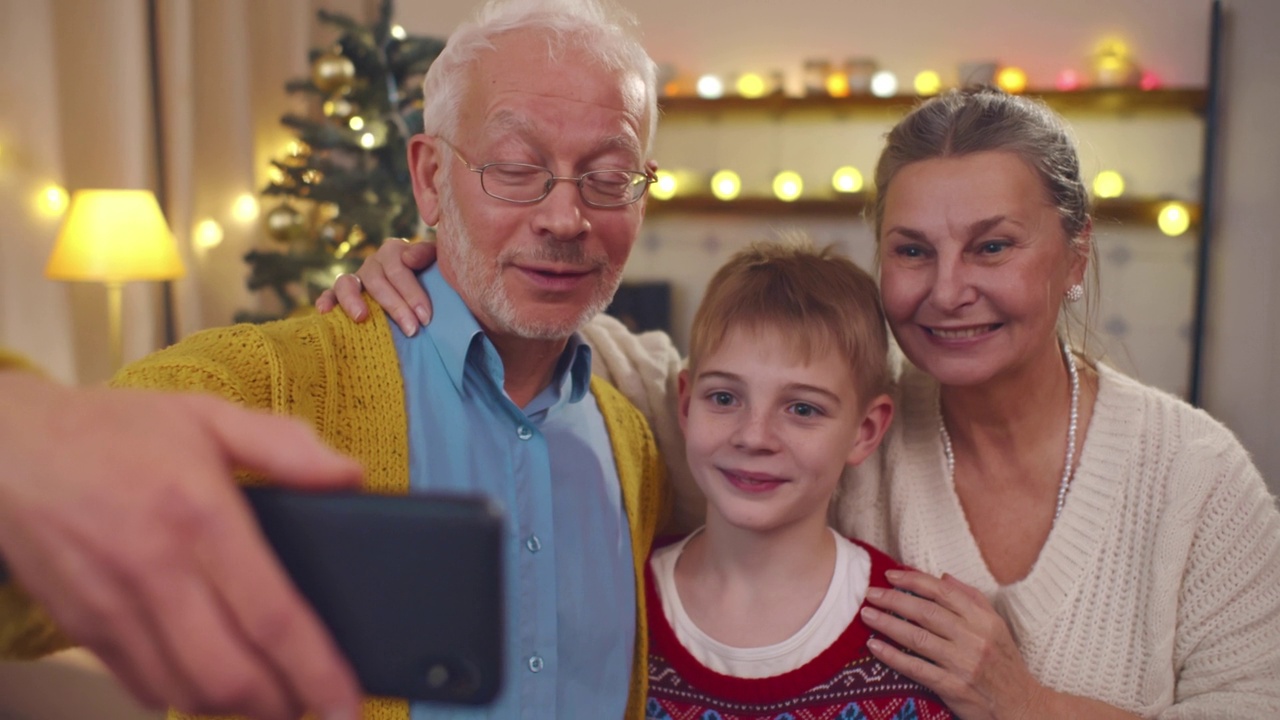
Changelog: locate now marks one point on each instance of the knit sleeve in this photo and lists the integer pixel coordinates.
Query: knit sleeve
(1227, 648)
(646, 369)
(233, 362)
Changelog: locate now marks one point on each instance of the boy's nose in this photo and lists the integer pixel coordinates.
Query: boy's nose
(755, 432)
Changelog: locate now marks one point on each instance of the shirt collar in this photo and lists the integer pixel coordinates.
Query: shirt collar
(456, 334)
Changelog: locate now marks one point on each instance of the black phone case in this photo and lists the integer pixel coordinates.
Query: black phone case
(410, 586)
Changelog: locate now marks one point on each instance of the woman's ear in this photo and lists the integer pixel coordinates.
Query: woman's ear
(1082, 248)
(424, 167)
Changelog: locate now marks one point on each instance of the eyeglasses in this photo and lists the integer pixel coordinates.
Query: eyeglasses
(524, 183)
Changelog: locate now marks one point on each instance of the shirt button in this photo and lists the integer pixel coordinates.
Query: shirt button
(524, 432)
(533, 543)
(535, 664)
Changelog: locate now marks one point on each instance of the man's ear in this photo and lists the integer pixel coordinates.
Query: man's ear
(684, 384)
(424, 167)
(872, 429)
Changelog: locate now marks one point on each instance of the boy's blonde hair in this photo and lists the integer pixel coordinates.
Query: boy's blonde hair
(822, 301)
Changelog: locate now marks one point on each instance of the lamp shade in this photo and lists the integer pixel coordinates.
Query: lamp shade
(114, 236)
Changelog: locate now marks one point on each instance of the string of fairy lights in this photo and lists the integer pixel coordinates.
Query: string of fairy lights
(1111, 66)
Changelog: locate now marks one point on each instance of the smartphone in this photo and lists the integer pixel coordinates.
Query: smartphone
(410, 586)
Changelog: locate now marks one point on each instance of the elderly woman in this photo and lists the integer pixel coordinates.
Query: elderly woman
(1089, 546)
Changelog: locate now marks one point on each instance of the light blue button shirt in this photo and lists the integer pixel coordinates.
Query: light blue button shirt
(570, 584)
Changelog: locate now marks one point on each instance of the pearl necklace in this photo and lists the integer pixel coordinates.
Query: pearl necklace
(1067, 473)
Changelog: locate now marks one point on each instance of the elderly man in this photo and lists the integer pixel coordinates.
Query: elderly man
(532, 168)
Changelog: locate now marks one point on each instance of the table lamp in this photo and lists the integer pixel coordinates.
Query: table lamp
(114, 237)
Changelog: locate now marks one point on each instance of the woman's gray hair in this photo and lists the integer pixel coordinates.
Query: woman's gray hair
(602, 30)
(960, 122)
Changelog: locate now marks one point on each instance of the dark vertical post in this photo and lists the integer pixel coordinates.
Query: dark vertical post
(162, 184)
(1208, 173)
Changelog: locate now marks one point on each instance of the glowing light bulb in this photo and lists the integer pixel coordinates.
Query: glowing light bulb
(665, 188)
(837, 84)
(1067, 80)
(1174, 219)
(52, 201)
(847, 179)
(927, 83)
(751, 85)
(884, 84)
(208, 234)
(1149, 80)
(1114, 47)
(245, 208)
(1108, 184)
(710, 87)
(356, 123)
(367, 140)
(787, 185)
(726, 185)
(1012, 80)
(397, 32)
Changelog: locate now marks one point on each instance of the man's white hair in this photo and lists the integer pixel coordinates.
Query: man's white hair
(605, 32)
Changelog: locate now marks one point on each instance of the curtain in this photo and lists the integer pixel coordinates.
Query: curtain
(78, 110)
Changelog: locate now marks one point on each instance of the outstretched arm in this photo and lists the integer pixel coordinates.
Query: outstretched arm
(120, 516)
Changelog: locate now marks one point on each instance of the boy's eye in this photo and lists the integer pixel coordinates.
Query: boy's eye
(805, 410)
(722, 399)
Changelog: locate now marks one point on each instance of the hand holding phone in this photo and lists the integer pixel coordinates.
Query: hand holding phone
(411, 587)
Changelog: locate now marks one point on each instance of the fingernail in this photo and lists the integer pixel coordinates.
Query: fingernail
(875, 645)
(870, 614)
(893, 575)
(422, 314)
(409, 326)
(875, 593)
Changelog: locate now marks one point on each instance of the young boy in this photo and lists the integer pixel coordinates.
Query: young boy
(755, 615)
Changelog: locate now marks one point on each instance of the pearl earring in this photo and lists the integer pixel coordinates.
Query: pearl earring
(1075, 293)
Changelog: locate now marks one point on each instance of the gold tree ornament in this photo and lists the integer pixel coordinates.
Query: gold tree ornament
(284, 223)
(333, 73)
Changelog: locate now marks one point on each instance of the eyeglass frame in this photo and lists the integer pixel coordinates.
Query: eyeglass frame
(552, 179)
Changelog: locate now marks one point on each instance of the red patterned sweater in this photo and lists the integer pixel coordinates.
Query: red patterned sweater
(844, 682)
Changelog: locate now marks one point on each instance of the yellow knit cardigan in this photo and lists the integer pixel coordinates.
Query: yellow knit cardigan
(344, 379)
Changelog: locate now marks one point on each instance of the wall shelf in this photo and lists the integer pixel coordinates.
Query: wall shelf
(1125, 211)
(1098, 100)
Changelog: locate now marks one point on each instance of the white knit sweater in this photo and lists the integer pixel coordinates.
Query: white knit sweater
(1158, 590)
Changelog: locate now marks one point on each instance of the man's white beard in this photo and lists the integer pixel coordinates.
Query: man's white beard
(483, 282)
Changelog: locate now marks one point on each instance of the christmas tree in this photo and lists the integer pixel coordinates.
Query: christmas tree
(343, 186)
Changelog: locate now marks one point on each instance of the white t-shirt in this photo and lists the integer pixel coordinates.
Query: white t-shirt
(844, 597)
